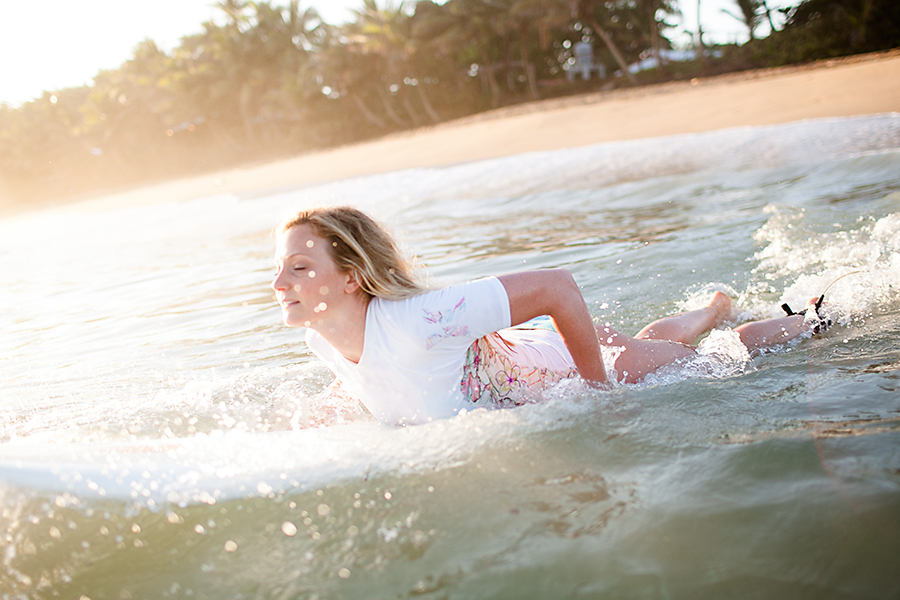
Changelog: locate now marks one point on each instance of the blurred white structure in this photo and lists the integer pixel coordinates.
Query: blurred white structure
(584, 63)
(649, 61)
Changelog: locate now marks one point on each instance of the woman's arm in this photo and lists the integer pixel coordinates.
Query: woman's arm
(555, 293)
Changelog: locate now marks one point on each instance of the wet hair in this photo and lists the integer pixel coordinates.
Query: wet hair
(359, 244)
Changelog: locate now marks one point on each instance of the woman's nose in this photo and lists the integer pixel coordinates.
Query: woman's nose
(277, 284)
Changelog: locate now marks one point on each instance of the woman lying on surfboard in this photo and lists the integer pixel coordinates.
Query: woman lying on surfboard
(412, 354)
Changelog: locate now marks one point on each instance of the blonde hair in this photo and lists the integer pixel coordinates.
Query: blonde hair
(361, 245)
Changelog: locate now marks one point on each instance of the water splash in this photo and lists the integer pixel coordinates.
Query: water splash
(192, 463)
(861, 260)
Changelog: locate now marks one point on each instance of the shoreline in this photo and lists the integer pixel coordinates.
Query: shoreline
(842, 87)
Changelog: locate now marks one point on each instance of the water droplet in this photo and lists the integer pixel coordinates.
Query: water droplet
(387, 496)
(54, 532)
(135, 528)
(344, 573)
(230, 546)
(289, 529)
(310, 243)
(324, 510)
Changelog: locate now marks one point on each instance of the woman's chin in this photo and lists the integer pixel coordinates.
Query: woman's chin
(293, 321)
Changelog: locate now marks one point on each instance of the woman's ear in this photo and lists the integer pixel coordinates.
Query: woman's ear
(354, 283)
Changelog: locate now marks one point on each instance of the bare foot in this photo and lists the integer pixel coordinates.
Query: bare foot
(687, 327)
(817, 323)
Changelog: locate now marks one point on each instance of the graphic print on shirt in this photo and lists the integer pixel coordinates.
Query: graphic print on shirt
(445, 316)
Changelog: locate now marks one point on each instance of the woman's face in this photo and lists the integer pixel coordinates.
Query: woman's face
(308, 285)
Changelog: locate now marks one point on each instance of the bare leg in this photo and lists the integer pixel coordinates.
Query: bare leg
(664, 341)
(764, 334)
(640, 357)
(687, 327)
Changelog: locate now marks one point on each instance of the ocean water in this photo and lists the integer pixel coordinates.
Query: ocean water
(163, 435)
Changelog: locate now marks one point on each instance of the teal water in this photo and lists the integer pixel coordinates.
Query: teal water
(162, 434)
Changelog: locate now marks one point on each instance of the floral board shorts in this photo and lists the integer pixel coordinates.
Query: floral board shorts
(515, 366)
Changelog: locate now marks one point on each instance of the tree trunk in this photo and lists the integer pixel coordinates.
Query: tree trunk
(427, 104)
(529, 68)
(404, 99)
(654, 40)
(367, 112)
(388, 108)
(492, 80)
(702, 49)
(245, 101)
(612, 48)
(507, 67)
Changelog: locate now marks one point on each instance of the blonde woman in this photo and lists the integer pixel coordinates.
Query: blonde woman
(412, 354)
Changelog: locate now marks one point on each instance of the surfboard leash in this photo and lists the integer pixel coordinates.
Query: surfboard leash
(824, 322)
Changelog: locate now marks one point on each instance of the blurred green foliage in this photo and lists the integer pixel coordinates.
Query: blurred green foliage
(822, 29)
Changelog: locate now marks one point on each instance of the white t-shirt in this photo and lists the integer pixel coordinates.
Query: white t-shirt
(411, 366)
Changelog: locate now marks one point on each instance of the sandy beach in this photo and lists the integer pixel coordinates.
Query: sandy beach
(867, 84)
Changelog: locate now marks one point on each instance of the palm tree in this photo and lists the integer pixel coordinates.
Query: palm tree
(463, 26)
(647, 18)
(387, 33)
(702, 46)
(749, 14)
(369, 52)
(349, 71)
(246, 76)
(542, 15)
